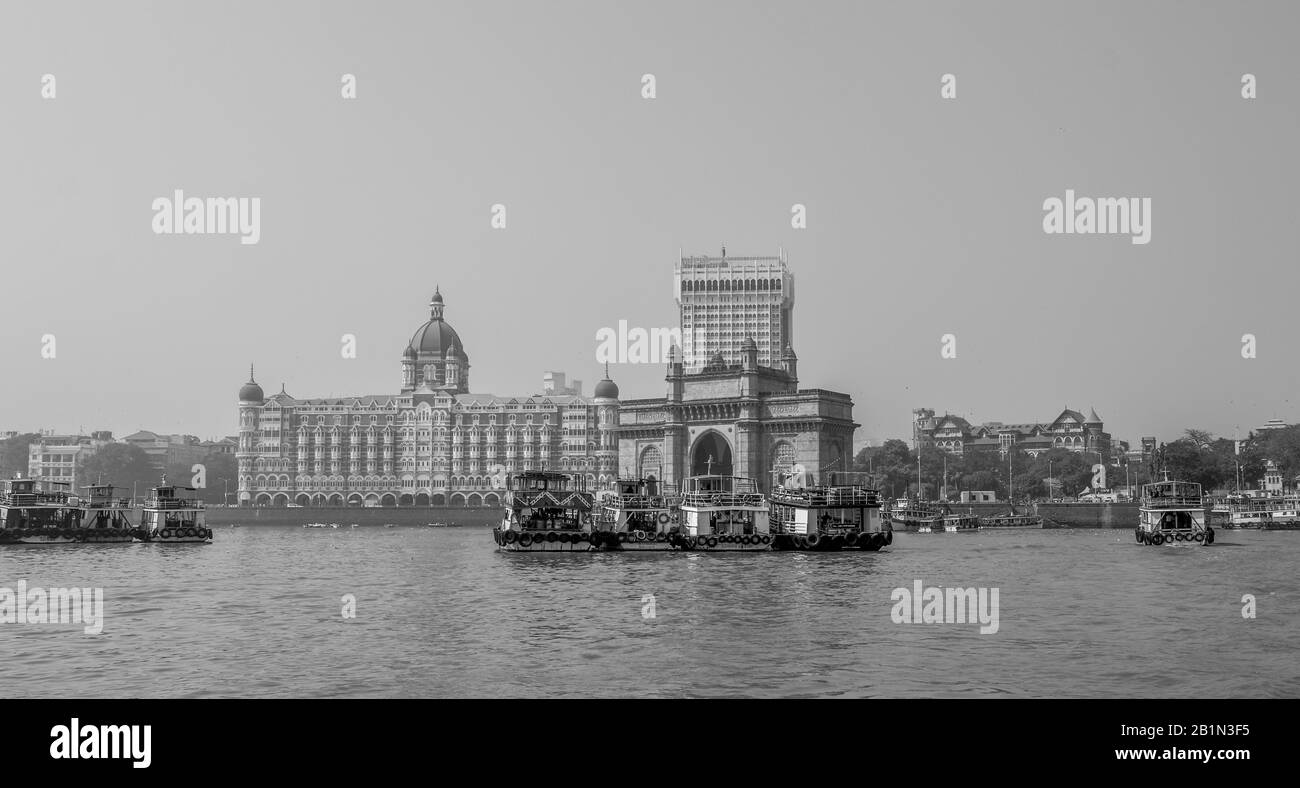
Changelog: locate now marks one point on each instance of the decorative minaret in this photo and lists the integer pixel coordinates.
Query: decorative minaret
(791, 363)
(251, 399)
(675, 441)
(408, 368)
(606, 402)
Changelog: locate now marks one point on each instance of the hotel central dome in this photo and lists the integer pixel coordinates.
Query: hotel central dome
(436, 337)
(435, 358)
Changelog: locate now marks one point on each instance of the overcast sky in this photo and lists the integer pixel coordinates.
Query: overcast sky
(925, 215)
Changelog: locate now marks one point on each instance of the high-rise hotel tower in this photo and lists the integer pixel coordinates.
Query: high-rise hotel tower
(725, 300)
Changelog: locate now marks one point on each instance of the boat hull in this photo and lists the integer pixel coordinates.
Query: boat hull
(866, 543)
(1174, 537)
(185, 536)
(547, 542)
(65, 536)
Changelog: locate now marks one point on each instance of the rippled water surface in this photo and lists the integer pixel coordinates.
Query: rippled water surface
(440, 613)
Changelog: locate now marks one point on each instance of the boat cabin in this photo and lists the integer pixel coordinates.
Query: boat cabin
(723, 505)
(1172, 495)
(547, 501)
(168, 508)
(24, 505)
(103, 510)
(842, 504)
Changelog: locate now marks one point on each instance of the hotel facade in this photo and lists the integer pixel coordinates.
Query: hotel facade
(431, 443)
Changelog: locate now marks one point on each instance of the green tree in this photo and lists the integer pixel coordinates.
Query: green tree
(14, 453)
(218, 470)
(121, 465)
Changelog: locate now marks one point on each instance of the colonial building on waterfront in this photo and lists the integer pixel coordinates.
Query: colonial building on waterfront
(1070, 430)
(431, 443)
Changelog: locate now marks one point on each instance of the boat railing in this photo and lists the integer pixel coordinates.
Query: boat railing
(721, 498)
(111, 503)
(827, 496)
(553, 499)
(173, 503)
(34, 499)
(1174, 502)
(619, 501)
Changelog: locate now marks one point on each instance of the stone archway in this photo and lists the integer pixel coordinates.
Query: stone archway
(422, 499)
(303, 499)
(388, 500)
(280, 500)
(407, 500)
(711, 445)
(263, 499)
(355, 499)
(439, 499)
(336, 499)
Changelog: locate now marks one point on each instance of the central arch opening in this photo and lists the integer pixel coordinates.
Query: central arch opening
(711, 455)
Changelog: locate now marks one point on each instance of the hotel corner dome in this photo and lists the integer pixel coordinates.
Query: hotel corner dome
(250, 391)
(606, 389)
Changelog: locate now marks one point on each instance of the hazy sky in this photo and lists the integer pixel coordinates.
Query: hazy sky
(924, 214)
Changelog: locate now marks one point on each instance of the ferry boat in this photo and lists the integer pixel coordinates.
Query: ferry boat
(722, 514)
(1011, 520)
(44, 515)
(1172, 511)
(547, 512)
(639, 515)
(167, 518)
(108, 519)
(1266, 513)
(843, 514)
(957, 523)
(919, 516)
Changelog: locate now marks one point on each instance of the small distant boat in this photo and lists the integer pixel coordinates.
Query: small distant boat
(919, 516)
(389, 525)
(958, 523)
(1012, 520)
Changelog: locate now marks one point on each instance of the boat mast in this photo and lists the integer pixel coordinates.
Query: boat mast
(1010, 498)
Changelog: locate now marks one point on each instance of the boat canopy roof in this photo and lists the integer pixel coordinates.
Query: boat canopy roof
(1171, 489)
(545, 480)
(717, 483)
